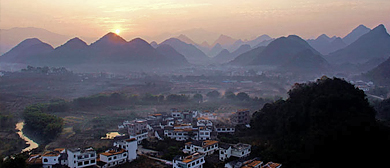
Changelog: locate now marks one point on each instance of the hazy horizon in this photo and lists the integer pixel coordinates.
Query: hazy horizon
(158, 20)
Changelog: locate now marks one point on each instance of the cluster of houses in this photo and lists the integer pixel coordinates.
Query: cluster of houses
(123, 150)
(199, 129)
(184, 125)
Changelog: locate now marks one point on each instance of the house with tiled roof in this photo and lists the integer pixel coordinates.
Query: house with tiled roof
(195, 160)
(112, 157)
(206, 147)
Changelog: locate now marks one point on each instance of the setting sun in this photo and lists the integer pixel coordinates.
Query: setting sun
(117, 31)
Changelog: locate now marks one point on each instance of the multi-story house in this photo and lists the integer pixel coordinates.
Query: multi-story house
(237, 150)
(130, 145)
(78, 158)
(112, 158)
(206, 147)
(240, 117)
(192, 161)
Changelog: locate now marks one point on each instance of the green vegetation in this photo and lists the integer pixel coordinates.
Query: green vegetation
(45, 126)
(170, 148)
(15, 161)
(322, 124)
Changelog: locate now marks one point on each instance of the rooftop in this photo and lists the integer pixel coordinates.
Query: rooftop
(191, 158)
(113, 152)
(271, 165)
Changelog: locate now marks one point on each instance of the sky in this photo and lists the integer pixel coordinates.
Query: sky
(243, 19)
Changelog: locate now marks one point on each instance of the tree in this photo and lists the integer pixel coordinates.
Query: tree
(230, 95)
(213, 94)
(319, 119)
(242, 96)
(198, 98)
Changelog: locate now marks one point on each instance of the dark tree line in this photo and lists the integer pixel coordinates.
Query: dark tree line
(44, 126)
(322, 124)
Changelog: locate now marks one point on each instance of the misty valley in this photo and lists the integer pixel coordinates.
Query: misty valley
(265, 102)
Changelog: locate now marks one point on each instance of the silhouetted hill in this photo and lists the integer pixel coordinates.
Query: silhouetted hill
(71, 53)
(170, 52)
(109, 51)
(190, 52)
(258, 40)
(375, 44)
(356, 34)
(381, 74)
(247, 57)
(326, 45)
(225, 56)
(26, 50)
(306, 62)
(282, 50)
(185, 39)
(224, 41)
(215, 50)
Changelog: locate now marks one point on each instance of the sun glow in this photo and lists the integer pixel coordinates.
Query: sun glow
(117, 31)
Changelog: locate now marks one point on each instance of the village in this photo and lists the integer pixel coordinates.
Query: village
(198, 130)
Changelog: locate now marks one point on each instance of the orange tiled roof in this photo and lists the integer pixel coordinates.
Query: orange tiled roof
(113, 152)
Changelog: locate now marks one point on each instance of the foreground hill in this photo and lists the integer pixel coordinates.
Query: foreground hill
(316, 120)
(373, 45)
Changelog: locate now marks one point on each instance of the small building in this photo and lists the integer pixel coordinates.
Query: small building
(48, 159)
(240, 117)
(237, 150)
(130, 145)
(241, 150)
(253, 163)
(78, 158)
(225, 151)
(112, 158)
(192, 161)
(206, 147)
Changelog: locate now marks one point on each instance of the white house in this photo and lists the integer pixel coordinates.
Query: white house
(225, 151)
(78, 158)
(49, 159)
(237, 150)
(241, 150)
(224, 129)
(112, 158)
(203, 122)
(206, 147)
(130, 145)
(192, 161)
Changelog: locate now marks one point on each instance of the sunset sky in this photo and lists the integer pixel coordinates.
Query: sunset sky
(244, 19)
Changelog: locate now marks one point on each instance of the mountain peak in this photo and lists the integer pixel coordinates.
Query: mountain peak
(185, 39)
(76, 42)
(380, 28)
(112, 37)
(224, 40)
(355, 34)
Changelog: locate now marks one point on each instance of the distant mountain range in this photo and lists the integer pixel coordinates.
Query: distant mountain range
(110, 49)
(373, 45)
(362, 49)
(12, 37)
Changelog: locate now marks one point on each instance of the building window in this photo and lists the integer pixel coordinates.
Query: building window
(92, 155)
(86, 162)
(109, 158)
(93, 161)
(45, 160)
(114, 157)
(79, 163)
